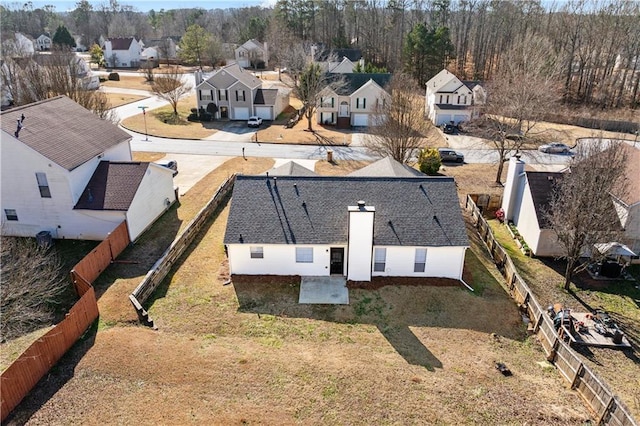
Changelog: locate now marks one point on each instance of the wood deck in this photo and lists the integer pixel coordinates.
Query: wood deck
(590, 337)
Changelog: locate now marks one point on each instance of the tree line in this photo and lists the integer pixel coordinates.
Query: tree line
(596, 43)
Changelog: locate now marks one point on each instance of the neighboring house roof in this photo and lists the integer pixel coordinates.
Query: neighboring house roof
(244, 77)
(387, 167)
(121, 43)
(354, 81)
(418, 211)
(112, 186)
(353, 55)
(63, 131)
(472, 84)
(451, 107)
(266, 97)
(440, 80)
(290, 168)
(541, 186)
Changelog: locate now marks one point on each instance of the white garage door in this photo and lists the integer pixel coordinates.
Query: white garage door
(241, 113)
(443, 119)
(460, 118)
(360, 119)
(264, 112)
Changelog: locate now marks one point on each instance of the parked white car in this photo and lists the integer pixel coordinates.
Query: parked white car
(254, 121)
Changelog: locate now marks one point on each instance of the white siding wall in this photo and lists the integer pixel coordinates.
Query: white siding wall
(279, 259)
(444, 262)
(150, 201)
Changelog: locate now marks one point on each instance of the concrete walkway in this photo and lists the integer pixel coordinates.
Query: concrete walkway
(325, 290)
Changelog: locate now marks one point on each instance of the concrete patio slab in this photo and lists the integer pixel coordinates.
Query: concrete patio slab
(324, 290)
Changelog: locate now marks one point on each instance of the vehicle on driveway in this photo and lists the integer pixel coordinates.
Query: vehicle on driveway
(554, 148)
(448, 155)
(449, 129)
(254, 121)
(169, 164)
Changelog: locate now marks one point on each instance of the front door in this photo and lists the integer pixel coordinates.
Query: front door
(337, 261)
(224, 112)
(344, 109)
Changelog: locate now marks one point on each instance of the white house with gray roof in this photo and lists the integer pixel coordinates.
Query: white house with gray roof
(67, 172)
(357, 227)
(236, 94)
(451, 100)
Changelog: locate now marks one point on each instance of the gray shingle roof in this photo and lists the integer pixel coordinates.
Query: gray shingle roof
(347, 83)
(112, 186)
(266, 97)
(121, 43)
(541, 187)
(387, 167)
(63, 131)
(418, 211)
(290, 168)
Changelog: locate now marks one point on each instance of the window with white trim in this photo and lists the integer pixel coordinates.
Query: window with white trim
(304, 254)
(240, 95)
(361, 103)
(256, 252)
(222, 95)
(379, 259)
(206, 95)
(10, 214)
(43, 185)
(420, 260)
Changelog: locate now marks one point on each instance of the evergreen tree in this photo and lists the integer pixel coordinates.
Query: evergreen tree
(63, 37)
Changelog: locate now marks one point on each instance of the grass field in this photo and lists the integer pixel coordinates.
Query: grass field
(119, 99)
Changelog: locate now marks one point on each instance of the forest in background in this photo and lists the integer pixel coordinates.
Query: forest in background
(595, 44)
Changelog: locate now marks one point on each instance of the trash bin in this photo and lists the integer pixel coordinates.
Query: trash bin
(44, 239)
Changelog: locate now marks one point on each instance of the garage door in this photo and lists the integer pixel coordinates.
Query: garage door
(360, 119)
(443, 119)
(264, 112)
(460, 118)
(241, 113)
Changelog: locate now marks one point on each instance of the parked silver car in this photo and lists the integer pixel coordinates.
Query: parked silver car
(554, 148)
(449, 155)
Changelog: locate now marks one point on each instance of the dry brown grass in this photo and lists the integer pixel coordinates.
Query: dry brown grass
(119, 99)
(339, 168)
(128, 82)
(147, 156)
(183, 130)
(298, 134)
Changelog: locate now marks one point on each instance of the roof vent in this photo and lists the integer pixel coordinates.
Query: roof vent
(19, 126)
(275, 181)
(549, 177)
(361, 204)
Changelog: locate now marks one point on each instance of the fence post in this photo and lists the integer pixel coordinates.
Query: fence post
(574, 382)
(536, 326)
(607, 411)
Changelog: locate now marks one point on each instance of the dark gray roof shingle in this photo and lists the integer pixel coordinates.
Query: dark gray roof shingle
(290, 168)
(541, 186)
(346, 84)
(418, 211)
(63, 131)
(387, 167)
(266, 97)
(112, 186)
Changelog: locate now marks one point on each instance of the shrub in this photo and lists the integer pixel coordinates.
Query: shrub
(429, 160)
(114, 76)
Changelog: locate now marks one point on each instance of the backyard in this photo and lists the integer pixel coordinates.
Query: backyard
(248, 353)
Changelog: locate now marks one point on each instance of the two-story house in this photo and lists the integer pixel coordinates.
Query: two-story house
(234, 93)
(450, 100)
(122, 52)
(67, 172)
(43, 42)
(252, 54)
(351, 99)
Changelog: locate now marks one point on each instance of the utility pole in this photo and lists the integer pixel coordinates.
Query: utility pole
(144, 116)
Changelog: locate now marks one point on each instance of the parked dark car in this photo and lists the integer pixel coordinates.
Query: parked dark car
(449, 129)
(448, 155)
(169, 164)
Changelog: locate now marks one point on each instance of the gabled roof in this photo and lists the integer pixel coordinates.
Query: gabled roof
(472, 84)
(387, 167)
(112, 186)
(440, 80)
(417, 211)
(266, 97)
(353, 55)
(243, 76)
(354, 81)
(290, 168)
(252, 44)
(541, 186)
(632, 195)
(63, 131)
(121, 43)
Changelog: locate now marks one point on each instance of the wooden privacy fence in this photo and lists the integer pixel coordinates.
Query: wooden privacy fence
(161, 268)
(608, 408)
(23, 374)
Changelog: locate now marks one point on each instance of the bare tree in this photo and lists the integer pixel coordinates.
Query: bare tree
(312, 81)
(31, 286)
(399, 125)
(581, 210)
(170, 87)
(519, 96)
